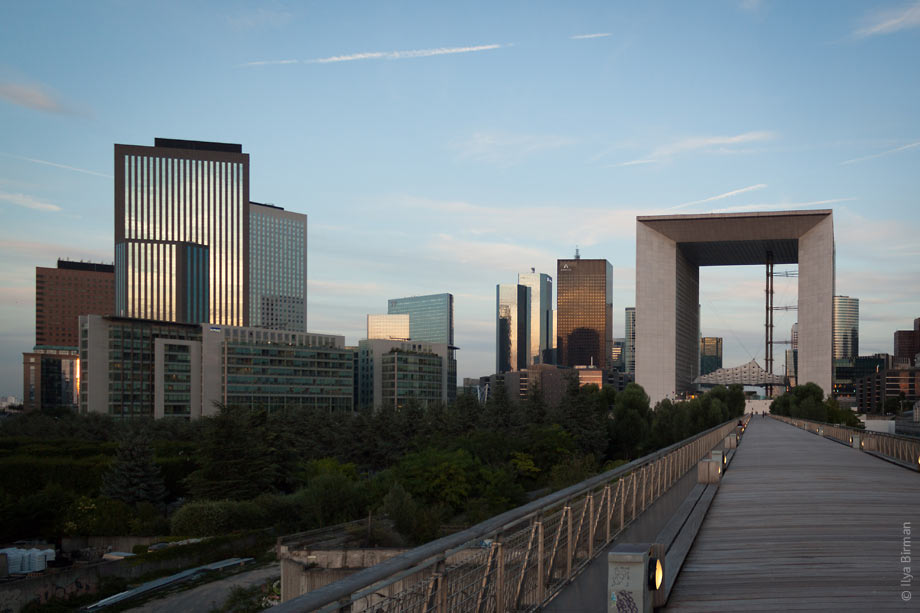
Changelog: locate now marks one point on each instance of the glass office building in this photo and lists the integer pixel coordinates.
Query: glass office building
(846, 327)
(392, 372)
(277, 268)
(388, 327)
(181, 230)
(144, 368)
(629, 351)
(585, 312)
(431, 319)
(710, 354)
(541, 315)
(512, 328)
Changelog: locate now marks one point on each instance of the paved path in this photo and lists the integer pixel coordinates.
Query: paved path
(209, 595)
(802, 523)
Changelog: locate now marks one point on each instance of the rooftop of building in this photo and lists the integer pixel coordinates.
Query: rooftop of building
(87, 266)
(198, 145)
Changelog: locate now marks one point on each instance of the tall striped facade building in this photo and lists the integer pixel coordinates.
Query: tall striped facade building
(182, 232)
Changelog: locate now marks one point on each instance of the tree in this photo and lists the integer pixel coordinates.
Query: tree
(234, 458)
(133, 476)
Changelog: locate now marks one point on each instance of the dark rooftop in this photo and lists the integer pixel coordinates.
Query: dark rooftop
(200, 145)
(90, 266)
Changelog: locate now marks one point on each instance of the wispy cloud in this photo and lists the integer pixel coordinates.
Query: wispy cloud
(506, 149)
(883, 153)
(708, 142)
(721, 144)
(891, 20)
(735, 192)
(382, 55)
(33, 96)
(28, 202)
(584, 36)
(56, 165)
(634, 163)
(781, 206)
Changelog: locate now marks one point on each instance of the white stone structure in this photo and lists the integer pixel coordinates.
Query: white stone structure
(671, 248)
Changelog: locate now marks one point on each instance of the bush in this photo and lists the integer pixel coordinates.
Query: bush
(215, 517)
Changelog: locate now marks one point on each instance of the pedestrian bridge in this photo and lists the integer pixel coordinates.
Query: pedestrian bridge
(805, 517)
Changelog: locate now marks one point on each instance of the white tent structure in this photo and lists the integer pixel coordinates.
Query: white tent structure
(746, 374)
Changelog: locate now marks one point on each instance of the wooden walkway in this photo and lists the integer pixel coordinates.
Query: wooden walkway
(802, 523)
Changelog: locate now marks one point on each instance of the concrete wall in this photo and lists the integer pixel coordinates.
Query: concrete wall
(816, 305)
(307, 570)
(656, 308)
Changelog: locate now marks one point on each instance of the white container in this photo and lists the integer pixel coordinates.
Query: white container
(36, 560)
(13, 560)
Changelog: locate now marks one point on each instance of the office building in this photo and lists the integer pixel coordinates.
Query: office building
(617, 356)
(182, 232)
(846, 327)
(277, 268)
(907, 343)
(512, 327)
(144, 368)
(670, 249)
(50, 372)
(393, 373)
(64, 293)
(710, 354)
(431, 319)
(630, 330)
(585, 312)
(541, 315)
(388, 327)
(898, 388)
(50, 378)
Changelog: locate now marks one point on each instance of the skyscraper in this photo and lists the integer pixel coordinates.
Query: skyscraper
(846, 327)
(182, 232)
(710, 354)
(512, 328)
(585, 312)
(431, 319)
(277, 268)
(541, 315)
(630, 339)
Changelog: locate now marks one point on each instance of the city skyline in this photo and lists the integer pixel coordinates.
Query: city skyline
(444, 153)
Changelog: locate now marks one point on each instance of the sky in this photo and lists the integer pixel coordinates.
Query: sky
(445, 147)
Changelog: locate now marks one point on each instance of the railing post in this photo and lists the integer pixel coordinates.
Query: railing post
(541, 571)
(569, 545)
(500, 580)
(442, 588)
(591, 516)
(609, 494)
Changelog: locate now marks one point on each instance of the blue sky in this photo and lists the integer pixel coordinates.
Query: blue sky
(446, 147)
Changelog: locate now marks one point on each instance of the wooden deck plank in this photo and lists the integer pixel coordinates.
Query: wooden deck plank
(802, 523)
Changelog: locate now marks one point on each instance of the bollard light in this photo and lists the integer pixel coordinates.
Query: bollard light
(655, 574)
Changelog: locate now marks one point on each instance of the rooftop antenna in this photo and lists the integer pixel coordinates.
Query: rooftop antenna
(577, 255)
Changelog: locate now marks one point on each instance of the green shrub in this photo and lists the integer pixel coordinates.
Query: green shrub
(214, 517)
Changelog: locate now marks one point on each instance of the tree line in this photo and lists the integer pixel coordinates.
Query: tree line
(424, 468)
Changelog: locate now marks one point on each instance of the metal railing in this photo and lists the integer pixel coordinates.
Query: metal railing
(517, 560)
(903, 449)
